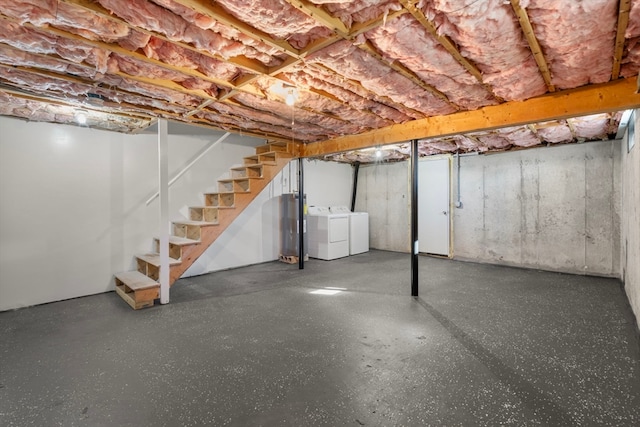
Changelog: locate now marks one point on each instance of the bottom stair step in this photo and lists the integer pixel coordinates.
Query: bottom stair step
(138, 290)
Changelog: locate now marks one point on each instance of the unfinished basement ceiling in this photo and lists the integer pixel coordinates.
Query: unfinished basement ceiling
(353, 66)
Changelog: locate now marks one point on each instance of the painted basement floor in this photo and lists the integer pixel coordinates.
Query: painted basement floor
(485, 345)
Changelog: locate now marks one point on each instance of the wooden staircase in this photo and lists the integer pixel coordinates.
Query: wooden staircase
(191, 237)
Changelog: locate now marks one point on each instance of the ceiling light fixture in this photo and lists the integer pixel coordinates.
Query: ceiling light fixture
(378, 153)
(81, 117)
(290, 99)
(287, 92)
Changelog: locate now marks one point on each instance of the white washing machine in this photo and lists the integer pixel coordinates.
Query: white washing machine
(328, 233)
(358, 229)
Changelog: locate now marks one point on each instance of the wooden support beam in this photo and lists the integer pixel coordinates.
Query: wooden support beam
(527, 29)
(613, 96)
(320, 15)
(623, 22)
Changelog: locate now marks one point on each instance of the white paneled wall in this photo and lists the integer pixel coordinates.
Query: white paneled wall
(73, 211)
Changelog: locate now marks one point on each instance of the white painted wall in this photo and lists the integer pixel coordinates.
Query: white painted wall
(383, 192)
(630, 224)
(73, 212)
(72, 204)
(553, 208)
(325, 184)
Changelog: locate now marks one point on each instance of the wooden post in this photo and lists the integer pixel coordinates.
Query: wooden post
(163, 173)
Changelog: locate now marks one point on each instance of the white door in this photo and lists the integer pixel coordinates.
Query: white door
(434, 181)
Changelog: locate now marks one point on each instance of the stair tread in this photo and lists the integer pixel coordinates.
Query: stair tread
(200, 223)
(244, 178)
(253, 166)
(181, 241)
(136, 280)
(154, 259)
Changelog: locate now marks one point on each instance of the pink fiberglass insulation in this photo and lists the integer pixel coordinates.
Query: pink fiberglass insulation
(311, 101)
(633, 29)
(405, 40)
(37, 12)
(238, 116)
(48, 112)
(40, 83)
(555, 134)
(20, 58)
(262, 50)
(147, 15)
(350, 93)
(278, 19)
(69, 18)
(134, 41)
(151, 17)
(487, 32)
(353, 63)
(301, 117)
(68, 89)
(140, 93)
(178, 56)
(519, 135)
(493, 141)
(562, 26)
(87, 24)
(151, 91)
(39, 42)
(631, 60)
(346, 97)
(22, 108)
(359, 10)
(250, 114)
(442, 145)
(135, 67)
(591, 127)
(465, 143)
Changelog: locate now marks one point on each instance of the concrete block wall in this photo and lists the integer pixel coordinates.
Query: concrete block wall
(554, 208)
(630, 223)
(383, 192)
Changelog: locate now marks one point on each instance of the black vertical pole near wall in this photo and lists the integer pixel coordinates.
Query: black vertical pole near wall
(354, 191)
(414, 218)
(300, 214)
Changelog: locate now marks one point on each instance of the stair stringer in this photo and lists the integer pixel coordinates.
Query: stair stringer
(225, 217)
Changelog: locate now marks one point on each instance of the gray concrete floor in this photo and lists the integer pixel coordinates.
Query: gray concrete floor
(484, 345)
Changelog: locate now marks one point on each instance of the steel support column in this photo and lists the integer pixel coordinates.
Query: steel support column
(301, 213)
(414, 218)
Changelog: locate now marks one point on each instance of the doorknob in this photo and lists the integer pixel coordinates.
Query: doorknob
(444, 212)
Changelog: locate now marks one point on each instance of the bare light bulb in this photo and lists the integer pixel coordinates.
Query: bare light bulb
(290, 100)
(81, 117)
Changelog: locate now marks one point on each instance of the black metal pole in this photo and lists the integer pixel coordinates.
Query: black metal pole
(354, 191)
(414, 218)
(300, 214)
